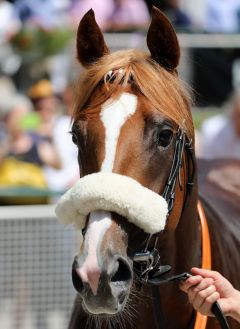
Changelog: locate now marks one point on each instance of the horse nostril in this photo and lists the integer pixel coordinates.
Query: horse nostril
(77, 281)
(121, 297)
(123, 272)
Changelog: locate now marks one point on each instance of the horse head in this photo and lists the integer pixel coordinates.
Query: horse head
(130, 110)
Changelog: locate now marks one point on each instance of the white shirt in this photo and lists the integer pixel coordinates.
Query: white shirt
(9, 22)
(222, 16)
(62, 179)
(219, 140)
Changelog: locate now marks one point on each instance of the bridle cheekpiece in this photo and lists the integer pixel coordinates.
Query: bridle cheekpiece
(147, 265)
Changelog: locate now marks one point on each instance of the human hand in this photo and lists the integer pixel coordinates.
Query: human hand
(206, 287)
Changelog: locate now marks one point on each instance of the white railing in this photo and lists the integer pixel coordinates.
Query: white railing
(186, 40)
(36, 254)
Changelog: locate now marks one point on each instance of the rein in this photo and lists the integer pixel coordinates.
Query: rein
(147, 266)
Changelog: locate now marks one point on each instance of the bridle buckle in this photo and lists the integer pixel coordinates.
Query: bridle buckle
(145, 262)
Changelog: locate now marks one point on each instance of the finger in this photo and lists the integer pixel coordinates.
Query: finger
(201, 297)
(192, 281)
(206, 273)
(194, 291)
(209, 301)
(205, 283)
(225, 305)
(191, 295)
(206, 307)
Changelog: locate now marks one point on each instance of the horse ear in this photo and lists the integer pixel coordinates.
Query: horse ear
(162, 41)
(90, 41)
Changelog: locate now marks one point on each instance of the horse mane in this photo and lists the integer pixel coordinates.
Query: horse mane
(162, 88)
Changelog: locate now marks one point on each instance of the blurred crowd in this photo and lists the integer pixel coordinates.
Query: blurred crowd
(35, 145)
(219, 136)
(111, 14)
(206, 15)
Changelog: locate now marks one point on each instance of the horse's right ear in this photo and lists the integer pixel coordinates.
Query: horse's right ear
(162, 41)
(90, 41)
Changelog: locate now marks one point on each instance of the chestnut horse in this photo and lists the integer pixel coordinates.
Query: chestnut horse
(129, 111)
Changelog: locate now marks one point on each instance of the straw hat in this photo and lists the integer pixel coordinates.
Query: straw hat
(42, 88)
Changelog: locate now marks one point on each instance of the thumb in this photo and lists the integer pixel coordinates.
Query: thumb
(225, 306)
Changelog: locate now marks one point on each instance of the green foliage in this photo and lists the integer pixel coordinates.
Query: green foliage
(39, 43)
(200, 115)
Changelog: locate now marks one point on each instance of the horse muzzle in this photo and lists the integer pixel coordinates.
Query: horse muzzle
(113, 287)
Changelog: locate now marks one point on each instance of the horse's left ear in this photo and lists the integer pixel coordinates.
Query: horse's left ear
(162, 41)
(90, 41)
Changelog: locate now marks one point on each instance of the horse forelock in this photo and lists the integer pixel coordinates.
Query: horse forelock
(162, 88)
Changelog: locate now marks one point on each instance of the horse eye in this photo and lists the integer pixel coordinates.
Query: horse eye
(164, 137)
(74, 138)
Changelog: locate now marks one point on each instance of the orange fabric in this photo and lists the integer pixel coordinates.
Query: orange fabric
(201, 320)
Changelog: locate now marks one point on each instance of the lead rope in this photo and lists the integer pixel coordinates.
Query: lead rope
(201, 320)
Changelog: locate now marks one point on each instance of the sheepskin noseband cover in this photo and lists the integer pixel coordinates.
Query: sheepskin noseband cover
(113, 192)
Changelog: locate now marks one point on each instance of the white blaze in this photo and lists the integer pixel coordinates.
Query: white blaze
(99, 222)
(113, 115)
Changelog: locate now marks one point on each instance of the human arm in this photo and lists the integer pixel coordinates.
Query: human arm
(48, 155)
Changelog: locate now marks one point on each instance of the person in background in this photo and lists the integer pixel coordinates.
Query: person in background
(10, 25)
(103, 10)
(222, 16)
(23, 142)
(21, 154)
(46, 105)
(40, 13)
(49, 109)
(179, 18)
(220, 135)
(207, 287)
(9, 21)
(7, 88)
(55, 129)
(3, 141)
(128, 15)
(67, 150)
(112, 14)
